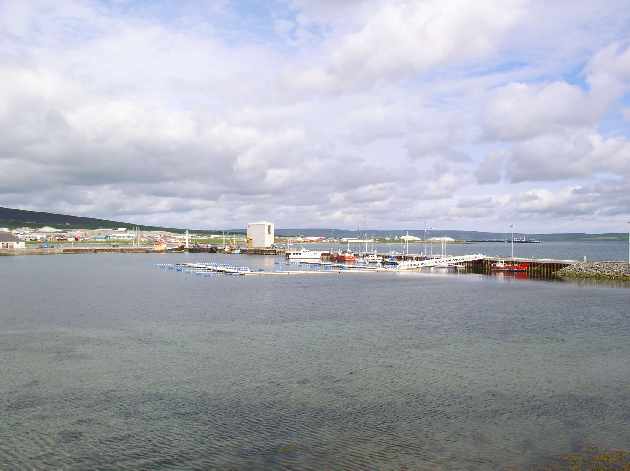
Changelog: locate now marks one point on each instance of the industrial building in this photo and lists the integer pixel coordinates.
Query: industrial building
(260, 235)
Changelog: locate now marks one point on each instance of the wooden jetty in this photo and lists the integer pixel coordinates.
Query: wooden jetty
(263, 251)
(79, 250)
(536, 267)
(478, 263)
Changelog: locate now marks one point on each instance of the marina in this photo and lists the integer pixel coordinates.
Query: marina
(388, 258)
(472, 263)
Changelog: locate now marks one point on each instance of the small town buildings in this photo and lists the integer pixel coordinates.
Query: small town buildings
(9, 242)
(119, 235)
(355, 240)
(260, 235)
(314, 239)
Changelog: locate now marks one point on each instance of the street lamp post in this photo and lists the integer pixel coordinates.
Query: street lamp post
(628, 248)
(425, 240)
(512, 227)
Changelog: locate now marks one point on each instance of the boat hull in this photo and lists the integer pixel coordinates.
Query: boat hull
(343, 258)
(521, 267)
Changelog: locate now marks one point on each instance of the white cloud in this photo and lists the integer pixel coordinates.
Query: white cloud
(609, 70)
(519, 110)
(361, 112)
(401, 38)
(492, 168)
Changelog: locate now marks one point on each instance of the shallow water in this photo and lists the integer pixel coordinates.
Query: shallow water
(110, 363)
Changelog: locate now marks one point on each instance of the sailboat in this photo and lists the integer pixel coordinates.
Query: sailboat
(234, 248)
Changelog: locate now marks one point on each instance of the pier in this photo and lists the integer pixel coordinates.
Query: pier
(80, 250)
(479, 263)
(536, 267)
(225, 269)
(263, 251)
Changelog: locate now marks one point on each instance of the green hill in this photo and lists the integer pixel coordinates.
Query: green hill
(13, 218)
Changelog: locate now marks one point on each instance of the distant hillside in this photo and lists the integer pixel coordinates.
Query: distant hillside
(13, 218)
(455, 234)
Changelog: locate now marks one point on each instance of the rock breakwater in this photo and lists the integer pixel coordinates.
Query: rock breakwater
(598, 270)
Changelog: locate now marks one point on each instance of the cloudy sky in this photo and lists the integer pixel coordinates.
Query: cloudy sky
(319, 113)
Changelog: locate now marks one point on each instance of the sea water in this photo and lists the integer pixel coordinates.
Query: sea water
(107, 362)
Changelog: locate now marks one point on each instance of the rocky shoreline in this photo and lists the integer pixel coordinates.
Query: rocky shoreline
(597, 270)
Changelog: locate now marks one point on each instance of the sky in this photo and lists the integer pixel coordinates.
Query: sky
(383, 114)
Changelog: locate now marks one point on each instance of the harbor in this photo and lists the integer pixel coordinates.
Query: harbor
(519, 256)
(350, 261)
(473, 263)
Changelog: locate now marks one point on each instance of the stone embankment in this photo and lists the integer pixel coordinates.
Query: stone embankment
(597, 270)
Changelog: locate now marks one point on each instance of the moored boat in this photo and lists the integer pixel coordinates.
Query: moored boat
(391, 261)
(303, 254)
(343, 257)
(503, 266)
(373, 258)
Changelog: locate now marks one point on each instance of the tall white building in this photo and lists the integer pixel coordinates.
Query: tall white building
(260, 235)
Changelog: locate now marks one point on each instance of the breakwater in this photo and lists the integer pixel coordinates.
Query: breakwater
(79, 250)
(597, 270)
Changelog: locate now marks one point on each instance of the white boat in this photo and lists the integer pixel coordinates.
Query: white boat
(303, 254)
(373, 258)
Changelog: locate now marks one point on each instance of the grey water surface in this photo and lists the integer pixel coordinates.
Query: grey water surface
(107, 362)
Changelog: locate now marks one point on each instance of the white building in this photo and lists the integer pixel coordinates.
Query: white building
(409, 238)
(260, 234)
(49, 230)
(9, 242)
(442, 239)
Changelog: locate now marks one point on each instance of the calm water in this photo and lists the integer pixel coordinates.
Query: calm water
(107, 362)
